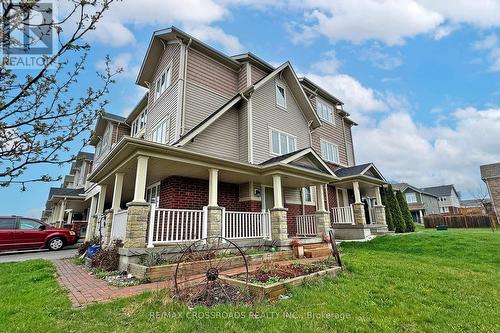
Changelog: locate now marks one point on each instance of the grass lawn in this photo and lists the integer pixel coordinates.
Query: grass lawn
(429, 281)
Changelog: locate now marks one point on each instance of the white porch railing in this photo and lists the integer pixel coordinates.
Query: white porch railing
(176, 225)
(306, 225)
(239, 225)
(342, 215)
(119, 226)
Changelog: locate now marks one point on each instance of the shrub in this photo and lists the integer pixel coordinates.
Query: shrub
(83, 247)
(397, 216)
(388, 217)
(405, 210)
(106, 259)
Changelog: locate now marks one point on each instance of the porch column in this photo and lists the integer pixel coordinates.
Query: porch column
(60, 219)
(115, 206)
(378, 198)
(322, 216)
(214, 212)
(102, 199)
(70, 217)
(213, 179)
(379, 209)
(357, 194)
(140, 179)
(421, 216)
(91, 219)
(358, 207)
(279, 228)
(138, 209)
(277, 190)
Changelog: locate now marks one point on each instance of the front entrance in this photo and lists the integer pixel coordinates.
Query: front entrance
(268, 202)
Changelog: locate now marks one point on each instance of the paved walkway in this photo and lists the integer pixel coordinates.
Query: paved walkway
(84, 288)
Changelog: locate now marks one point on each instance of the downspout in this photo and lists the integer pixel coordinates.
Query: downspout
(184, 87)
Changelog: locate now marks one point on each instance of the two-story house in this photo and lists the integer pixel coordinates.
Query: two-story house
(448, 198)
(231, 146)
(66, 205)
(421, 203)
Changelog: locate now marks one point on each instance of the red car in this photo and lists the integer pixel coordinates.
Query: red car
(18, 233)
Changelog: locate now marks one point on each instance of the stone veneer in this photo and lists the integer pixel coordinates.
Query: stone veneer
(494, 186)
(322, 223)
(379, 214)
(109, 223)
(137, 225)
(359, 213)
(214, 221)
(279, 230)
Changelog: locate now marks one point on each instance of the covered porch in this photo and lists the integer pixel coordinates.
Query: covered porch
(163, 196)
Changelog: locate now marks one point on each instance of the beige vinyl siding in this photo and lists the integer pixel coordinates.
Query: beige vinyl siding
(292, 195)
(266, 114)
(209, 86)
(166, 104)
(242, 77)
(305, 162)
(220, 138)
(331, 133)
(243, 132)
(257, 74)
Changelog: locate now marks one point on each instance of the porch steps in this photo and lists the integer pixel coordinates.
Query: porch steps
(316, 250)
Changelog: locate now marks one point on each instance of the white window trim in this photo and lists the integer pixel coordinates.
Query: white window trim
(338, 152)
(157, 184)
(413, 195)
(332, 108)
(271, 129)
(313, 200)
(140, 130)
(167, 80)
(166, 121)
(283, 86)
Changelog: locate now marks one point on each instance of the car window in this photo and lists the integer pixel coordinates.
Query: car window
(29, 225)
(6, 224)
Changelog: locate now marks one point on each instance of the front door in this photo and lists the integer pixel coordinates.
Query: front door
(268, 198)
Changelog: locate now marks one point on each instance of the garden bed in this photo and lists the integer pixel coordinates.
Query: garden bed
(164, 272)
(271, 281)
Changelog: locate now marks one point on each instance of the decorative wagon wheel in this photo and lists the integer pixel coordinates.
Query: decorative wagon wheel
(198, 273)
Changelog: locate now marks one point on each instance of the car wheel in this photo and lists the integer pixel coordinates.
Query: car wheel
(55, 244)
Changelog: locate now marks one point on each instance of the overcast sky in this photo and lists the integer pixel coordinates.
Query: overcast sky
(420, 77)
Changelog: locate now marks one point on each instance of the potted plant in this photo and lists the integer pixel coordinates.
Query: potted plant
(297, 248)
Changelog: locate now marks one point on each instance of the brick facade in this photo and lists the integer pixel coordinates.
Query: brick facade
(293, 211)
(191, 193)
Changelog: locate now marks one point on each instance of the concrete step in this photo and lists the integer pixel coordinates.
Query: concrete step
(314, 246)
(317, 252)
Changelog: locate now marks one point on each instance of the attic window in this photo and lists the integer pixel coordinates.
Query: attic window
(280, 95)
(163, 82)
(411, 197)
(325, 111)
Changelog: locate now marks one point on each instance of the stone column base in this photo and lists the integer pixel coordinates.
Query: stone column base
(279, 225)
(137, 225)
(359, 213)
(322, 223)
(379, 214)
(214, 221)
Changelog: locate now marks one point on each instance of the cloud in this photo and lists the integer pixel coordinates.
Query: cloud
(214, 34)
(381, 59)
(328, 65)
(491, 45)
(122, 61)
(424, 156)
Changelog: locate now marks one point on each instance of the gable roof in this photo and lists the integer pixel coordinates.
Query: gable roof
(65, 192)
(403, 186)
(293, 157)
(253, 59)
(367, 169)
(298, 91)
(440, 191)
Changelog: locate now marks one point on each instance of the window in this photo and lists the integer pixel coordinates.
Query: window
(445, 210)
(411, 197)
(280, 95)
(161, 133)
(329, 151)
(325, 111)
(29, 225)
(307, 194)
(282, 143)
(8, 223)
(139, 123)
(162, 83)
(153, 193)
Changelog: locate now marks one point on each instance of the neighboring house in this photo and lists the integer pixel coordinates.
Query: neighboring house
(449, 198)
(228, 146)
(420, 202)
(474, 206)
(66, 204)
(490, 174)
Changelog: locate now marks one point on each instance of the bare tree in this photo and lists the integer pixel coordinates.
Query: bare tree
(46, 109)
(481, 195)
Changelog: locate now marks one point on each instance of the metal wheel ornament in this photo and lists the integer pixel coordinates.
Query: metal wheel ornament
(199, 269)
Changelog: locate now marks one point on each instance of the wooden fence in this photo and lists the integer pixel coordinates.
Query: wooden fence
(459, 221)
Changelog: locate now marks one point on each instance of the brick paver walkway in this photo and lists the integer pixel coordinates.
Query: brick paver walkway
(84, 288)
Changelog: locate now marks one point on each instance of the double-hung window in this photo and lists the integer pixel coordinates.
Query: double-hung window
(325, 111)
(163, 82)
(329, 151)
(282, 143)
(161, 133)
(139, 123)
(153, 193)
(280, 95)
(411, 197)
(308, 194)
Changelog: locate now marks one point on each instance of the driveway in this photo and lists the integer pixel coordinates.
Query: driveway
(37, 254)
